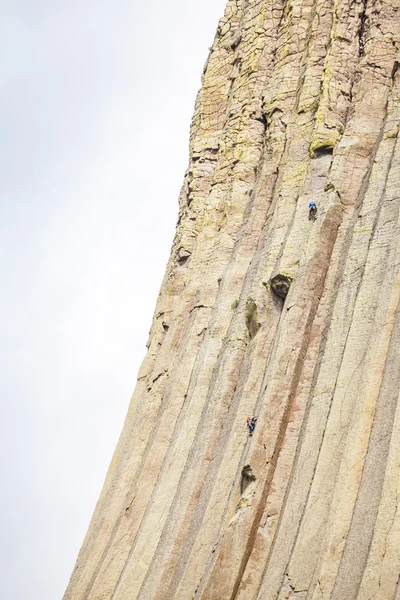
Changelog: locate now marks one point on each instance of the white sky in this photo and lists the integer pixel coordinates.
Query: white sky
(96, 101)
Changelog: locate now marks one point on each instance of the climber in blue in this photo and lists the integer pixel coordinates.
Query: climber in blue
(312, 215)
(251, 424)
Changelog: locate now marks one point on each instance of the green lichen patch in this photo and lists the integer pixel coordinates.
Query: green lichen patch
(243, 503)
(252, 318)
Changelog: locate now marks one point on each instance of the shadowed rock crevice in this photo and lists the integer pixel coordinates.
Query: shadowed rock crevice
(247, 477)
(323, 150)
(280, 284)
(362, 30)
(183, 256)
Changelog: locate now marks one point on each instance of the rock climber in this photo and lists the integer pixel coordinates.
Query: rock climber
(312, 211)
(251, 423)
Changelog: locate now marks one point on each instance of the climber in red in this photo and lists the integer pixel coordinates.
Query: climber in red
(251, 423)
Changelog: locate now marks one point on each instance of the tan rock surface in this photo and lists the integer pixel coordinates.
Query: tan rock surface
(263, 312)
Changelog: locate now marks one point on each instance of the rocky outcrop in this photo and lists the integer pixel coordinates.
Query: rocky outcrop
(263, 312)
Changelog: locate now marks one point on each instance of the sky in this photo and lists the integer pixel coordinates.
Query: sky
(96, 100)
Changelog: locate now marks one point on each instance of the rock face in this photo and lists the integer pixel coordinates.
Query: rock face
(263, 312)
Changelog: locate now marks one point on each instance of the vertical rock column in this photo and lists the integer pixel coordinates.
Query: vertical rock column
(263, 312)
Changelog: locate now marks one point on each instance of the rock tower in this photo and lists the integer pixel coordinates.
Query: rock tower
(266, 313)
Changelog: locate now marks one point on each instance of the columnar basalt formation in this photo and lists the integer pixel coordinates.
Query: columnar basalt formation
(264, 312)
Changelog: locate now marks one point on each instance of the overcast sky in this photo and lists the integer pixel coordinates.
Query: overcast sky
(96, 101)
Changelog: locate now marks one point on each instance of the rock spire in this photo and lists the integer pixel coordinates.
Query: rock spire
(263, 312)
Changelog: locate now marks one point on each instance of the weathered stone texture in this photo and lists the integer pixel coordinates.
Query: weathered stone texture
(263, 312)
